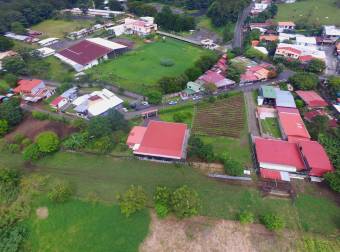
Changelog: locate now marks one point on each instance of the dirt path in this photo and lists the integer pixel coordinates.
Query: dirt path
(201, 234)
(251, 113)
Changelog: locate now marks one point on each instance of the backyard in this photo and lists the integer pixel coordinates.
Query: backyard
(59, 28)
(107, 176)
(313, 12)
(140, 69)
(270, 126)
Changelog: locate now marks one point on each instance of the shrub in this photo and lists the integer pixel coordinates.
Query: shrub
(167, 62)
(31, 153)
(185, 202)
(154, 97)
(299, 103)
(333, 179)
(272, 221)
(48, 142)
(12, 237)
(104, 144)
(79, 123)
(161, 210)
(162, 196)
(9, 183)
(76, 141)
(25, 142)
(232, 167)
(60, 192)
(13, 148)
(181, 116)
(18, 138)
(246, 217)
(40, 115)
(198, 149)
(133, 200)
(4, 128)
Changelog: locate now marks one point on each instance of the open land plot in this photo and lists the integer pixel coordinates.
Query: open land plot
(270, 126)
(31, 127)
(106, 177)
(317, 12)
(85, 226)
(225, 117)
(60, 28)
(187, 110)
(140, 69)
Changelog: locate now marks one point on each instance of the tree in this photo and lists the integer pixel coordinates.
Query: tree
(99, 126)
(14, 65)
(32, 153)
(11, 79)
(334, 84)
(76, 141)
(232, 167)
(9, 183)
(235, 71)
(210, 88)
(162, 199)
(333, 179)
(104, 144)
(316, 66)
(99, 4)
(154, 97)
(3, 128)
(331, 143)
(18, 28)
(48, 142)
(5, 44)
(185, 202)
(299, 103)
(60, 192)
(272, 221)
(133, 200)
(11, 112)
(206, 62)
(228, 32)
(198, 149)
(193, 73)
(304, 81)
(180, 117)
(117, 121)
(115, 5)
(318, 125)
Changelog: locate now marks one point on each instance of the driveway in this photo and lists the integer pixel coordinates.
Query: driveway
(251, 114)
(331, 60)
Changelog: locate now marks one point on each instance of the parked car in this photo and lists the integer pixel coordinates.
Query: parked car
(145, 103)
(172, 102)
(125, 110)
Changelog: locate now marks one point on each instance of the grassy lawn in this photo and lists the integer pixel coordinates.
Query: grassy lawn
(205, 22)
(59, 28)
(271, 127)
(140, 69)
(319, 12)
(84, 226)
(107, 176)
(58, 71)
(168, 113)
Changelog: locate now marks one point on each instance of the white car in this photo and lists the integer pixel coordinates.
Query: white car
(125, 110)
(172, 102)
(145, 103)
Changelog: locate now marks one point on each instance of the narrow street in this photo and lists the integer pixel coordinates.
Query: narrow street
(251, 114)
(238, 33)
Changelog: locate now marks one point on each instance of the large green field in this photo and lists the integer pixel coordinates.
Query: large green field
(107, 176)
(140, 69)
(84, 226)
(60, 28)
(317, 12)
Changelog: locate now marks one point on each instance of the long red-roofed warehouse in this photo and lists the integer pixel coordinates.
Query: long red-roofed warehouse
(160, 140)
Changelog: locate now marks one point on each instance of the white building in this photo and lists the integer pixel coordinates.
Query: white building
(48, 41)
(94, 12)
(283, 26)
(306, 41)
(331, 31)
(142, 27)
(299, 52)
(45, 52)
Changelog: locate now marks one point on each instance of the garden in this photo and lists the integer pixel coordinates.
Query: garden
(141, 69)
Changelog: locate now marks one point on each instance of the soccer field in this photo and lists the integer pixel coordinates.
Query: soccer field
(317, 12)
(140, 69)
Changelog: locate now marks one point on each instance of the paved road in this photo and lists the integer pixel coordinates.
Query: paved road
(238, 32)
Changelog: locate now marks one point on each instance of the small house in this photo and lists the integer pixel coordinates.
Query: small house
(284, 26)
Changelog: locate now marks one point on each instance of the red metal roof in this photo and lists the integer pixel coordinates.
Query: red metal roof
(278, 152)
(56, 101)
(85, 52)
(311, 114)
(26, 86)
(163, 139)
(291, 49)
(316, 158)
(306, 58)
(270, 174)
(136, 135)
(211, 77)
(292, 124)
(312, 99)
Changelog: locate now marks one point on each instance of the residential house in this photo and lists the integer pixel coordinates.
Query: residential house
(90, 52)
(48, 41)
(45, 52)
(306, 41)
(97, 103)
(33, 90)
(284, 99)
(331, 32)
(284, 26)
(298, 52)
(193, 88)
(159, 140)
(59, 102)
(219, 80)
(312, 99)
(142, 26)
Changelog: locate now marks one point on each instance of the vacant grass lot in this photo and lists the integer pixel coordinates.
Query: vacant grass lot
(140, 69)
(84, 226)
(187, 109)
(271, 127)
(107, 176)
(318, 12)
(60, 28)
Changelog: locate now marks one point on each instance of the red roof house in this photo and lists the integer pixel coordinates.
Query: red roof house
(312, 99)
(29, 86)
(278, 155)
(163, 140)
(291, 124)
(59, 102)
(136, 136)
(316, 158)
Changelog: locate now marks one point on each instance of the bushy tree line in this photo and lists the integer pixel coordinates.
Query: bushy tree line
(174, 22)
(10, 115)
(198, 149)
